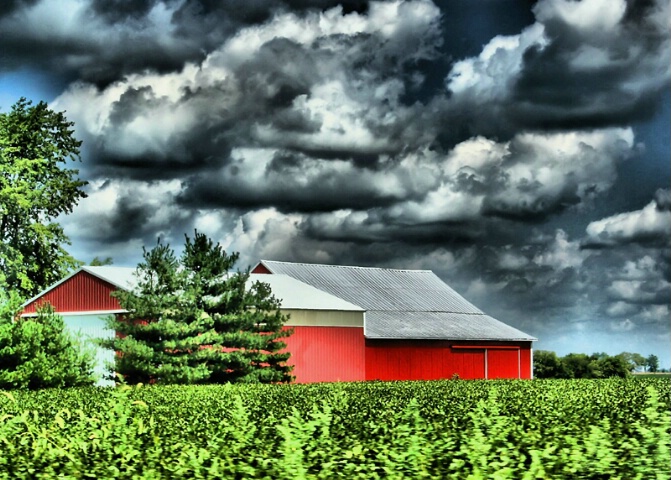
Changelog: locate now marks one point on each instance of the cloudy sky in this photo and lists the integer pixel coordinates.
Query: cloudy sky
(518, 149)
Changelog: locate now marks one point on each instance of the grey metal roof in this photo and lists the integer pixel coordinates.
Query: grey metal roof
(296, 295)
(402, 303)
(439, 325)
(121, 277)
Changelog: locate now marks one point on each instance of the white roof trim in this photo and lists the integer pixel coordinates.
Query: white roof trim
(79, 313)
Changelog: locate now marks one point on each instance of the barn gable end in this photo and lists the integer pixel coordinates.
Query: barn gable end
(80, 292)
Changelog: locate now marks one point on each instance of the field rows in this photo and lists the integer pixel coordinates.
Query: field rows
(449, 429)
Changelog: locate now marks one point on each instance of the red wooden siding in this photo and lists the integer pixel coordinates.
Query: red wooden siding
(327, 354)
(260, 269)
(434, 359)
(503, 363)
(421, 360)
(467, 363)
(81, 293)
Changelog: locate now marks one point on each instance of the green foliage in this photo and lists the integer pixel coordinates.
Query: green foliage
(652, 363)
(36, 186)
(632, 360)
(611, 367)
(588, 429)
(193, 321)
(99, 262)
(548, 365)
(579, 365)
(37, 352)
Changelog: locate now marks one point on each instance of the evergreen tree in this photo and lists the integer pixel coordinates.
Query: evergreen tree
(37, 352)
(193, 321)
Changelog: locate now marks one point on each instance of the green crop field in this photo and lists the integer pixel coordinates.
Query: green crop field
(588, 429)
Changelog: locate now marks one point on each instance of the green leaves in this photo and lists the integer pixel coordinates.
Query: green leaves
(453, 430)
(37, 352)
(36, 144)
(193, 320)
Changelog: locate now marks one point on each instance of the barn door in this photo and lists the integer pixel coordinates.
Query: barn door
(503, 363)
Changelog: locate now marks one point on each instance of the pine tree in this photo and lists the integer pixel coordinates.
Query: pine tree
(38, 352)
(192, 320)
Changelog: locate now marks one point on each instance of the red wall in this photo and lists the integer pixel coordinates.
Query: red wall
(80, 293)
(327, 354)
(260, 268)
(435, 359)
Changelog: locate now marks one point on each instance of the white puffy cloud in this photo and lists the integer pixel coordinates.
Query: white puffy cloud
(650, 224)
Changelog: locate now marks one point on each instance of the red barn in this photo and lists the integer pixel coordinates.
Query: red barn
(350, 323)
(414, 327)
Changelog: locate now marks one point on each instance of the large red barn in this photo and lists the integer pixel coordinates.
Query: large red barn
(350, 323)
(414, 327)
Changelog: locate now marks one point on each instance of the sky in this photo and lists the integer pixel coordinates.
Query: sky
(520, 150)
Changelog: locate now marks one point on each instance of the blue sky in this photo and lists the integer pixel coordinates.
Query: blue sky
(518, 149)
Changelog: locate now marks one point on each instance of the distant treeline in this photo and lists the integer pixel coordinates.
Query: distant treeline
(598, 365)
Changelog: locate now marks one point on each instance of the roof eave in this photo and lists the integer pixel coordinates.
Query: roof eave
(455, 339)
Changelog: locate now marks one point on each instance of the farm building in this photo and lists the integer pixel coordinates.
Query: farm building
(350, 323)
(414, 327)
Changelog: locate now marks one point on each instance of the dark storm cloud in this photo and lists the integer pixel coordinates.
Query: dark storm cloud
(286, 183)
(101, 41)
(10, 6)
(583, 69)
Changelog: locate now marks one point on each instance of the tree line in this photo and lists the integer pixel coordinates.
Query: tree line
(191, 319)
(548, 364)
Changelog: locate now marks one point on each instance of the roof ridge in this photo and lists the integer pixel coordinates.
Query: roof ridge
(349, 266)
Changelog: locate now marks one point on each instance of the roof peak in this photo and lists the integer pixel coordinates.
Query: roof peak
(262, 261)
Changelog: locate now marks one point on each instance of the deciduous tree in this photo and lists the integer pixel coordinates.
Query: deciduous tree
(652, 363)
(36, 185)
(193, 320)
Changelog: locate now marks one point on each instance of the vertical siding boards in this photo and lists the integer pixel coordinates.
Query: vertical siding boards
(82, 292)
(442, 359)
(327, 354)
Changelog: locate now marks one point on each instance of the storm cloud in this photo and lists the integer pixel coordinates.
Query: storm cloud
(379, 133)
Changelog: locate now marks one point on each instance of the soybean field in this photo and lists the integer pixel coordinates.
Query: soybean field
(453, 429)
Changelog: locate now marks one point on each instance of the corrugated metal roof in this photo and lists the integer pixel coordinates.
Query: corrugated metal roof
(402, 303)
(438, 325)
(120, 277)
(379, 288)
(296, 295)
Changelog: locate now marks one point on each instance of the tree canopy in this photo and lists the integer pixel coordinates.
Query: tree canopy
(193, 320)
(579, 365)
(36, 185)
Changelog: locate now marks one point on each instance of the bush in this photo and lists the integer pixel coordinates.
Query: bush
(37, 352)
